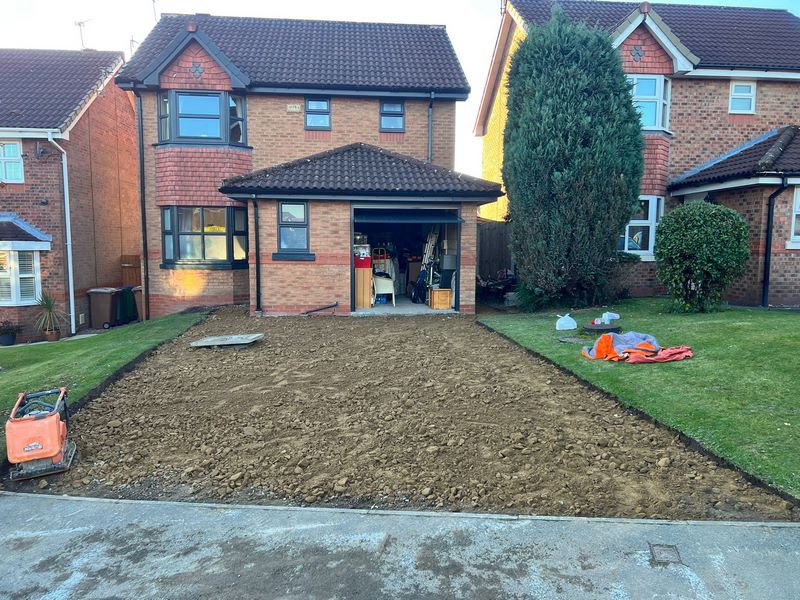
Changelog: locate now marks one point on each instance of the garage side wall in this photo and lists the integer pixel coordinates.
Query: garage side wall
(469, 258)
(290, 287)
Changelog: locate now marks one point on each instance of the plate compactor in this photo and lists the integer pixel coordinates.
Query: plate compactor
(36, 435)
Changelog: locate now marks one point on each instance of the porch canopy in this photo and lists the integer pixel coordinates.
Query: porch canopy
(362, 172)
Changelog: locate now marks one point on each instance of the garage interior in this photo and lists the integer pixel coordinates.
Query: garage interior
(405, 260)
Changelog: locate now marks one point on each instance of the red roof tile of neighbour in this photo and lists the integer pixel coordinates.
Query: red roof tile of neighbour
(46, 88)
(725, 37)
(361, 169)
(297, 54)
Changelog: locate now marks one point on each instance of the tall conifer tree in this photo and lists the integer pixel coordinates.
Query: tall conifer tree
(573, 161)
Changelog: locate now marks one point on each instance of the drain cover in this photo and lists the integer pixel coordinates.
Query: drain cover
(661, 554)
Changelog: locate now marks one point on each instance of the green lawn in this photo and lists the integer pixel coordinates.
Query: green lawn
(81, 364)
(739, 396)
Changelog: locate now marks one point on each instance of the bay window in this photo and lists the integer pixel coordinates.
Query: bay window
(651, 95)
(20, 278)
(639, 236)
(201, 117)
(11, 162)
(204, 236)
(795, 239)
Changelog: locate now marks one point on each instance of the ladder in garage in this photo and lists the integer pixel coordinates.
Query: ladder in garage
(430, 248)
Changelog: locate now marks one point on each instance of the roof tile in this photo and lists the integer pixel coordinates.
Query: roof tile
(319, 54)
(361, 169)
(44, 88)
(725, 37)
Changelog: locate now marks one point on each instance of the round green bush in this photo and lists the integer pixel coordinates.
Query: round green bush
(700, 249)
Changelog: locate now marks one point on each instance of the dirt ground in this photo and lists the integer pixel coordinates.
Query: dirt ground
(417, 412)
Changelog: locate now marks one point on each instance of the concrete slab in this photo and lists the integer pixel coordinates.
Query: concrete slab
(403, 307)
(64, 548)
(213, 341)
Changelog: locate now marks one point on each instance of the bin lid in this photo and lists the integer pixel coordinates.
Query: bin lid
(102, 290)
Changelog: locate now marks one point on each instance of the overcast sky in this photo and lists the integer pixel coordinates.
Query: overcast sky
(110, 25)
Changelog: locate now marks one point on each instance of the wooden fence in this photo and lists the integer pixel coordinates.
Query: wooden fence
(494, 254)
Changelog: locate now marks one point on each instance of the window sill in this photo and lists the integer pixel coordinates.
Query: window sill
(793, 245)
(205, 266)
(294, 256)
(18, 304)
(660, 130)
(199, 143)
(643, 256)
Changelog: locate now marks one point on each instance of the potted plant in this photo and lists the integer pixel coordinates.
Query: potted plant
(50, 317)
(8, 333)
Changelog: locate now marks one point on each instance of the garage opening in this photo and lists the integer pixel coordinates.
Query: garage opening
(405, 261)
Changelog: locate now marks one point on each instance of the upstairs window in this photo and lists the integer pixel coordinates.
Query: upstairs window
(318, 114)
(640, 233)
(393, 116)
(743, 98)
(200, 117)
(11, 162)
(651, 98)
(20, 278)
(204, 235)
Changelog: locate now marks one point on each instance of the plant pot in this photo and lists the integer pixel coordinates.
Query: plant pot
(52, 336)
(8, 339)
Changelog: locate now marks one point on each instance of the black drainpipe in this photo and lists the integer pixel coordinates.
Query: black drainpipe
(430, 128)
(768, 253)
(143, 206)
(258, 255)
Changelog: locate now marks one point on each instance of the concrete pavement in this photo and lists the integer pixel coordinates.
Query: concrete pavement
(67, 548)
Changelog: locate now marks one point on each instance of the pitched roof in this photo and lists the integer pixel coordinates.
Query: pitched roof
(46, 88)
(317, 54)
(775, 152)
(361, 170)
(11, 232)
(725, 37)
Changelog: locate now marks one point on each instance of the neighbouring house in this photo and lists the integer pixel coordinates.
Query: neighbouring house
(718, 90)
(325, 134)
(68, 181)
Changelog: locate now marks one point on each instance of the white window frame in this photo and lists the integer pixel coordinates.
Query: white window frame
(14, 276)
(4, 161)
(654, 214)
(662, 99)
(793, 243)
(738, 95)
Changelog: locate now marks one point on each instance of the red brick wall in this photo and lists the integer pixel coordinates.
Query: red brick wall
(469, 258)
(180, 76)
(278, 135)
(291, 287)
(702, 127)
(104, 199)
(656, 164)
(104, 206)
(192, 176)
(40, 202)
(655, 61)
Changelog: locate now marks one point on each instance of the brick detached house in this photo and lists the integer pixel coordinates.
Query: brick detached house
(322, 132)
(68, 181)
(718, 89)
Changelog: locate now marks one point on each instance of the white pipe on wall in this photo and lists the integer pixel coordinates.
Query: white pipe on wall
(68, 222)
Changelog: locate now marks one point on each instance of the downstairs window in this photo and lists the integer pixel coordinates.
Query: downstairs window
(20, 278)
(640, 233)
(204, 237)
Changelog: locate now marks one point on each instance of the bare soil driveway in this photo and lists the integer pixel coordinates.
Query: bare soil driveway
(415, 412)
